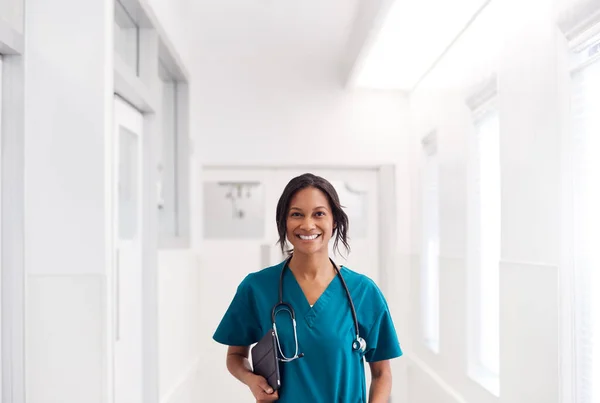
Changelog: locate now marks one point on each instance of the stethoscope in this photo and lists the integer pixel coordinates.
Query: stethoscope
(358, 344)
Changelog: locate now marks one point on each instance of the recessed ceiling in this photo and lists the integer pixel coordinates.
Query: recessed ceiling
(414, 34)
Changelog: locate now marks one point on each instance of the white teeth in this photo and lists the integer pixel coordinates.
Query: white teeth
(308, 238)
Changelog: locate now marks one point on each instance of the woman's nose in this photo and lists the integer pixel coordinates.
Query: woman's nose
(307, 224)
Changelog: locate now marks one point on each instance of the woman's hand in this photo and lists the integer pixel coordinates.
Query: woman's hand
(239, 366)
(260, 389)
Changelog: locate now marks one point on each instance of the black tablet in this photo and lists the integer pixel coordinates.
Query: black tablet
(264, 360)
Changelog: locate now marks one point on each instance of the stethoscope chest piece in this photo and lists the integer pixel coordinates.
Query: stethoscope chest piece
(359, 344)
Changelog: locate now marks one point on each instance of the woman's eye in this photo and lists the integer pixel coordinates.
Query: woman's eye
(295, 215)
(320, 214)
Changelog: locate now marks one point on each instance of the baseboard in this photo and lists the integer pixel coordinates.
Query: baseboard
(188, 376)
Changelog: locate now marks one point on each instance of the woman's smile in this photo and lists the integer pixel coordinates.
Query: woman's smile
(308, 237)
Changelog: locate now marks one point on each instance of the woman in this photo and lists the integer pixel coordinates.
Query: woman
(326, 364)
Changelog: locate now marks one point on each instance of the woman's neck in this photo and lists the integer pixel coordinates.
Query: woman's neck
(311, 267)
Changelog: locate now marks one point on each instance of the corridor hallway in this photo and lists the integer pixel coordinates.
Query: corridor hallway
(145, 144)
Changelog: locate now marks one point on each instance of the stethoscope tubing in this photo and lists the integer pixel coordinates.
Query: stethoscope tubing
(287, 307)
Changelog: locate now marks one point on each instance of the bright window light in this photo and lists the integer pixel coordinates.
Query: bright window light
(174, 163)
(430, 254)
(586, 178)
(484, 249)
(413, 35)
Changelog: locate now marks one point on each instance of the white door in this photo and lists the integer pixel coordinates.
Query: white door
(128, 269)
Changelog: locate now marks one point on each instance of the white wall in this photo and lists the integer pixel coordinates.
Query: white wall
(519, 43)
(179, 332)
(68, 101)
(255, 112)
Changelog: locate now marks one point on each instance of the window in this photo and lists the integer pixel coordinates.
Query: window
(173, 169)
(430, 246)
(585, 110)
(484, 248)
(127, 37)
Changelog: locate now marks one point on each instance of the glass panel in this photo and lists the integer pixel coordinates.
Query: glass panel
(168, 174)
(354, 202)
(126, 37)
(586, 181)
(234, 210)
(430, 254)
(128, 184)
(489, 230)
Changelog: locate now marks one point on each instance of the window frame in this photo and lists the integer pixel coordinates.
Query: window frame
(430, 275)
(123, 17)
(482, 104)
(578, 60)
(180, 145)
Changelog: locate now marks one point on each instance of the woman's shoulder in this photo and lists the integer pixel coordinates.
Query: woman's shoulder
(362, 284)
(260, 277)
(358, 279)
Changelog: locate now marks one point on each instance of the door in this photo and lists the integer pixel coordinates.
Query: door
(128, 267)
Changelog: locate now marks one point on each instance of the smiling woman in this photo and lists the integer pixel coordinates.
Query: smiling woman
(310, 206)
(339, 318)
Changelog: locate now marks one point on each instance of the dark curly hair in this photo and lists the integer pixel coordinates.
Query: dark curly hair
(340, 218)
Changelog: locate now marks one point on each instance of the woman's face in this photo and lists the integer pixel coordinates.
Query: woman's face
(309, 221)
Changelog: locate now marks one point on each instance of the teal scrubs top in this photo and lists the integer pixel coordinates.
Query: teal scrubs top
(330, 370)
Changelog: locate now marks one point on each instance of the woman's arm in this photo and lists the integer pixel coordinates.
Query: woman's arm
(239, 366)
(381, 381)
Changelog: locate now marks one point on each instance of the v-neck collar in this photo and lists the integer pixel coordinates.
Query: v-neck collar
(296, 294)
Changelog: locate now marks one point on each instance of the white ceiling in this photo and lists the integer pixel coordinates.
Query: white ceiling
(386, 44)
(276, 31)
(412, 37)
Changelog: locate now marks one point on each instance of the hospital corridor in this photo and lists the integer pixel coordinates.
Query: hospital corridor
(155, 244)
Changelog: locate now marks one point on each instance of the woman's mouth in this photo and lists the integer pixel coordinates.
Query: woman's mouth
(308, 237)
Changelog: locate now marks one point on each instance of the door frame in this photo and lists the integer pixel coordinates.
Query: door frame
(130, 118)
(149, 255)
